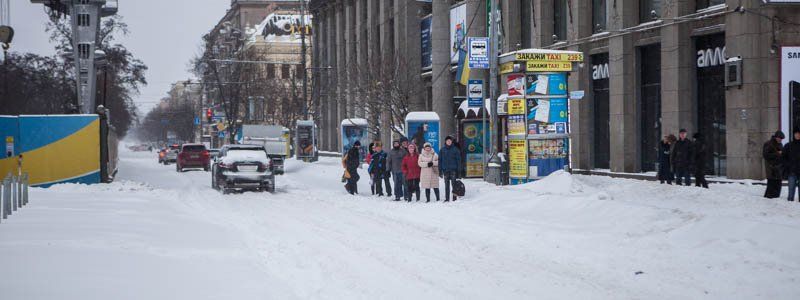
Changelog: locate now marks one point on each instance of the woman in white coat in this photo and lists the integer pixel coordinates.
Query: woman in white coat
(429, 176)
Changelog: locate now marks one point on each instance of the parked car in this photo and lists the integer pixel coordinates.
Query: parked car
(242, 167)
(172, 154)
(192, 156)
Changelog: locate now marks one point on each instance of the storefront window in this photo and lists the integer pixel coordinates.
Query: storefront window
(649, 10)
(711, 100)
(598, 15)
(701, 4)
(650, 105)
(559, 20)
(602, 124)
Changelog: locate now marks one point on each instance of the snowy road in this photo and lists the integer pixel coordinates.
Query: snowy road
(158, 234)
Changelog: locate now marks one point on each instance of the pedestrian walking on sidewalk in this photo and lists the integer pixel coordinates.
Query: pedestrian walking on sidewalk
(449, 166)
(700, 158)
(681, 159)
(773, 152)
(395, 165)
(351, 161)
(791, 163)
(664, 166)
(411, 172)
(429, 176)
(377, 169)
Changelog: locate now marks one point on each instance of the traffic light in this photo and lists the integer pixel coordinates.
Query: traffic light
(209, 115)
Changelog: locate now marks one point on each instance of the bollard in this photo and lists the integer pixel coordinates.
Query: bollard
(19, 191)
(27, 183)
(6, 197)
(13, 193)
(2, 201)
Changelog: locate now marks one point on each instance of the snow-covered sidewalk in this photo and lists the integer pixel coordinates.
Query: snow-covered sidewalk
(158, 234)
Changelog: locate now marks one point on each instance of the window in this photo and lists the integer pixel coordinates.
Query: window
(84, 50)
(559, 20)
(701, 4)
(270, 71)
(649, 10)
(598, 16)
(84, 20)
(284, 71)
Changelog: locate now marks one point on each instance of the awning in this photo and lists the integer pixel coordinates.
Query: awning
(466, 112)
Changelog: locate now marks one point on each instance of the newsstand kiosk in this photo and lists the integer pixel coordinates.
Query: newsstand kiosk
(538, 121)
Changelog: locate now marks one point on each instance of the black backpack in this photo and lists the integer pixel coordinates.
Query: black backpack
(459, 189)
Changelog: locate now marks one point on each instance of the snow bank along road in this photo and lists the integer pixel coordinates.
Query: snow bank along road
(158, 234)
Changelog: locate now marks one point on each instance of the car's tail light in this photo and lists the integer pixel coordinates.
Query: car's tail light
(205, 154)
(262, 167)
(224, 165)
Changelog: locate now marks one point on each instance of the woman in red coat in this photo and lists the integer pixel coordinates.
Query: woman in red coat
(411, 171)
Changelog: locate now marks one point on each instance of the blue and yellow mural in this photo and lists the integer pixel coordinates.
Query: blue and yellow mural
(55, 148)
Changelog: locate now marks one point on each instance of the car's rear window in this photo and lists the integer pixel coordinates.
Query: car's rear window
(197, 148)
(241, 154)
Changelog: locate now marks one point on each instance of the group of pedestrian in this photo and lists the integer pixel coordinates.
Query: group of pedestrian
(679, 158)
(782, 161)
(411, 168)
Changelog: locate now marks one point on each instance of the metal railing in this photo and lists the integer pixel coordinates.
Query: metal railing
(13, 194)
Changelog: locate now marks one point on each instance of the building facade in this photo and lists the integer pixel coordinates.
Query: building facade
(652, 67)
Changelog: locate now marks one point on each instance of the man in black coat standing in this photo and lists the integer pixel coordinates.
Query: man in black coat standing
(791, 163)
(681, 159)
(700, 158)
(352, 160)
(772, 152)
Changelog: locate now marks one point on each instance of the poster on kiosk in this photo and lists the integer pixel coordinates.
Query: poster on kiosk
(538, 113)
(423, 127)
(355, 130)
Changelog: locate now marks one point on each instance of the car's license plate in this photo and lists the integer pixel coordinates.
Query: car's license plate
(194, 156)
(248, 168)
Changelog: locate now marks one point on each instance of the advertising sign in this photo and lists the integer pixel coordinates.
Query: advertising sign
(425, 43)
(790, 88)
(478, 52)
(305, 141)
(516, 85)
(458, 31)
(516, 125)
(548, 66)
(507, 67)
(472, 135)
(516, 106)
(9, 146)
(423, 131)
(547, 156)
(550, 57)
(355, 132)
(548, 115)
(546, 84)
(518, 159)
(475, 93)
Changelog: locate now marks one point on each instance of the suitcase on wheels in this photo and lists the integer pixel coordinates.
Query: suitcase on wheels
(458, 188)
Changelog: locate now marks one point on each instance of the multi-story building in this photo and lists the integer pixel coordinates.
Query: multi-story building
(652, 67)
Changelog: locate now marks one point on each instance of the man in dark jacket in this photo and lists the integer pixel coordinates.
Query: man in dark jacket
(681, 159)
(352, 161)
(395, 167)
(791, 162)
(377, 170)
(664, 166)
(772, 152)
(700, 158)
(449, 166)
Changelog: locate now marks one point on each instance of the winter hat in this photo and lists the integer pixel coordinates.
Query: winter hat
(427, 145)
(449, 137)
(779, 134)
(796, 130)
(357, 143)
(682, 130)
(403, 139)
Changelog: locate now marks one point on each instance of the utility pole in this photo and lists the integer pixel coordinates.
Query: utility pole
(303, 51)
(85, 17)
(493, 53)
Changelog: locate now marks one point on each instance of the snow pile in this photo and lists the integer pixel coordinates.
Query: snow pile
(233, 156)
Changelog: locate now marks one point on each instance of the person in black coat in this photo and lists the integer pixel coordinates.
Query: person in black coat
(700, 158)
(772, 152)
(352, 161)
(791, 163)
(680, 158)
(664, 166)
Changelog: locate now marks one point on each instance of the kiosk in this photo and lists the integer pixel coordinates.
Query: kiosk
(306, 141)
(538, 123)
(422, 127)
(353, 130)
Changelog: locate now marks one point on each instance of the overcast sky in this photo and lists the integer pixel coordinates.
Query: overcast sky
(165, 34)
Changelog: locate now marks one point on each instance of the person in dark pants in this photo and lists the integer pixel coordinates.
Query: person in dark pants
(772, 152)
(664, 166)
(411, 172)
(680, 158)
(377, 169)
(351, 162)
(449, 166)
(791, 163)
(699, 160)
(395, 167)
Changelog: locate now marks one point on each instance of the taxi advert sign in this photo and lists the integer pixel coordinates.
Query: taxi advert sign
(548, 66)
(550, 57)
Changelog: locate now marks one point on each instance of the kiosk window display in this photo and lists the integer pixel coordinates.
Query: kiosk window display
(422, 127)
(354, 130)
(538, 111)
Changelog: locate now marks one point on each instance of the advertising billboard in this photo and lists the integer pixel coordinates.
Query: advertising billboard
(472, 135)
(425, 43)
(355, 130)
(458, 31)
(790, 88)
(518, 159)
(424, 131)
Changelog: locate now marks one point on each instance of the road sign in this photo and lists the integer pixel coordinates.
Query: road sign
(478, 52)
(475, 93)
(577, 95)
(9, 146)
(196, 120)
(222, 134)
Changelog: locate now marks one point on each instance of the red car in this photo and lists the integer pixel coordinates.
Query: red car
(193, 156)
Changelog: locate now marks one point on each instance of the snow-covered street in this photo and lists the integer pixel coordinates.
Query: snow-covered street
(159, 234)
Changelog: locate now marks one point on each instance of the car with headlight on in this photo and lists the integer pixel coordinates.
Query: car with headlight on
(242, 168)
